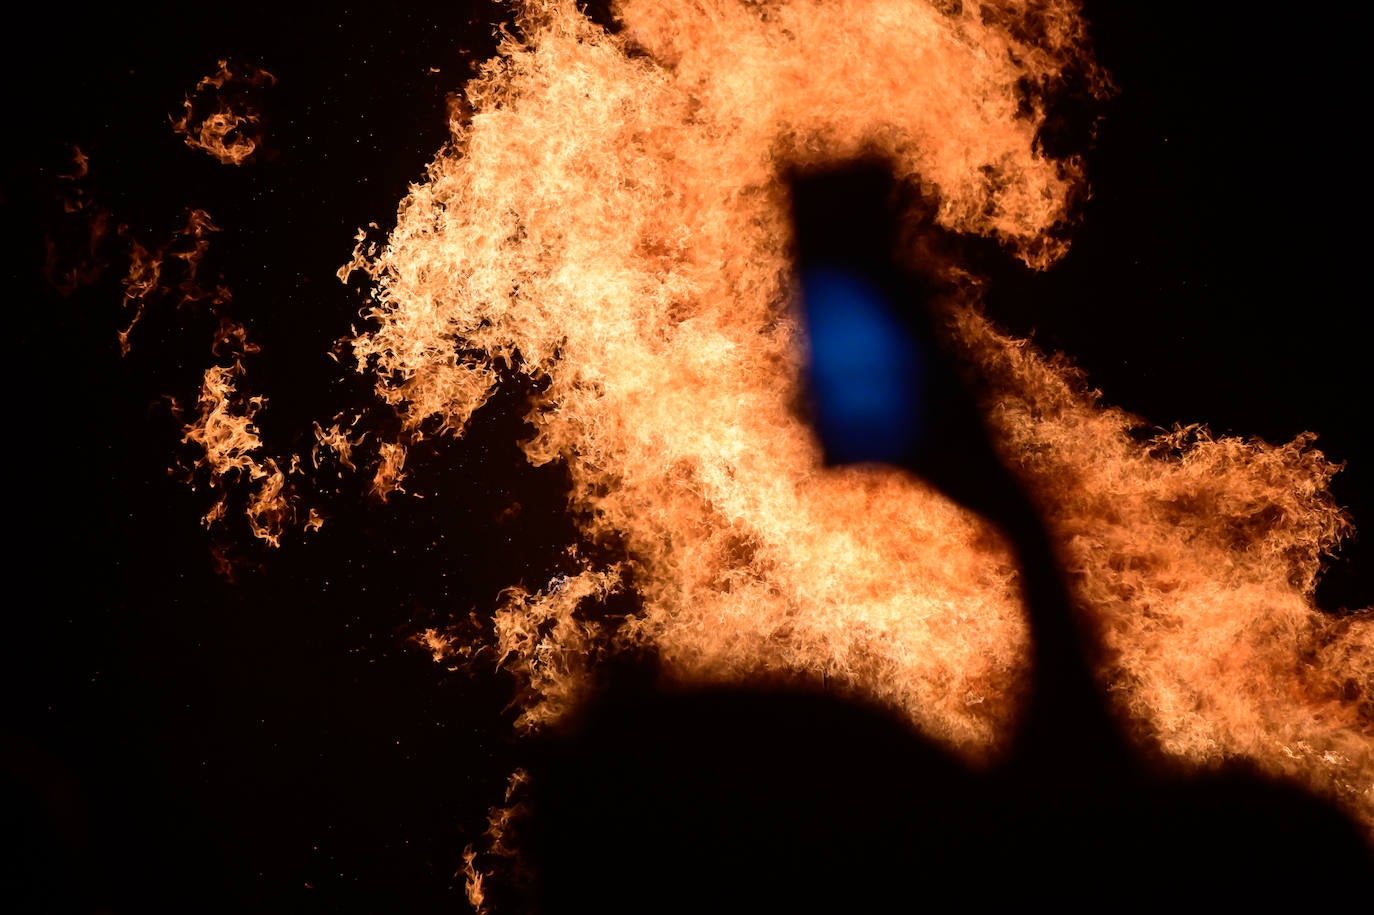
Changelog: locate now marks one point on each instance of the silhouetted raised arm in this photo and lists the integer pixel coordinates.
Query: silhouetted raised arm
(884, 386)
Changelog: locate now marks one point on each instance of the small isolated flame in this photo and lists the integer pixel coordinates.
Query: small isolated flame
(222, 117)
(609, 220)
(223, 430)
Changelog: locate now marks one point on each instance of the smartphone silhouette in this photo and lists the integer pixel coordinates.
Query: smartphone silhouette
(866, 356)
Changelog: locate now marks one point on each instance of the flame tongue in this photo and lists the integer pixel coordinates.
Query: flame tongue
(611, 220)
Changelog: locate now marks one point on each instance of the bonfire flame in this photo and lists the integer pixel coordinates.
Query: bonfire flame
(611, 220)
(231, 129)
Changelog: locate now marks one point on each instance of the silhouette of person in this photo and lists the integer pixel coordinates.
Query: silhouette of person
(784, 797)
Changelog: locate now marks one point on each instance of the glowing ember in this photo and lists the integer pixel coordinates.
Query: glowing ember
(610, 220)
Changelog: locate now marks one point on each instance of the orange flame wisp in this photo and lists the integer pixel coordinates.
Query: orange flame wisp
(231, 131)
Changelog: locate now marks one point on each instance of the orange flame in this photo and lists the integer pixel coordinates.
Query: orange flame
(232, 451)
(610, 220)
(76, 259)
(145, 282)
(230, 132)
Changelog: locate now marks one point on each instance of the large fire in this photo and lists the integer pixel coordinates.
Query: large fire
(610, 221)
(609, 228)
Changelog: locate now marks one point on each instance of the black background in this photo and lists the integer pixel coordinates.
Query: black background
(174, 741)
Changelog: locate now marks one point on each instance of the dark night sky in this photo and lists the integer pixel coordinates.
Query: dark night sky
(174, 742)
